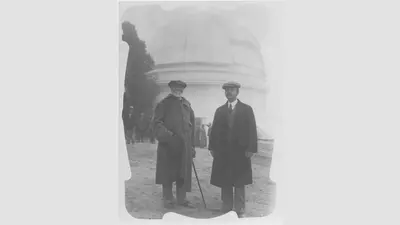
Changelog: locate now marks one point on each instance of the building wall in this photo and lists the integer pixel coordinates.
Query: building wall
(205, 99)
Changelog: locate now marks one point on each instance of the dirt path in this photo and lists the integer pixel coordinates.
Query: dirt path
(143, 196)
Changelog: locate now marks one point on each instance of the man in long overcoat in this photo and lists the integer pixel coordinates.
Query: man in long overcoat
(129, 124)
(200, 136)
(174, 125)
(203, 136)
(233, 141)
(142, 126)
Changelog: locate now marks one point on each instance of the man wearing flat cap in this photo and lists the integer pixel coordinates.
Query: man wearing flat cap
(173, 126)
(233, 141)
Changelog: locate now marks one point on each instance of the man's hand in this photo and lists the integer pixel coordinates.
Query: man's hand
(193, 153)
(249, 154)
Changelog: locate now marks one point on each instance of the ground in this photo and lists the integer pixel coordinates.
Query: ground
(144, 197)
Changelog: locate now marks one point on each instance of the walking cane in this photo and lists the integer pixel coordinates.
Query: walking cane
(198, 182)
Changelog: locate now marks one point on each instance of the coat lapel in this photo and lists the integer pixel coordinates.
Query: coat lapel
(185, 103)
(225, 110)
(237, 111)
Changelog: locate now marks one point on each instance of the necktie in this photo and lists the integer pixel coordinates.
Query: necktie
(230, 108)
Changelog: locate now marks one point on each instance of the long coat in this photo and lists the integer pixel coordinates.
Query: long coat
(200, 137)
(142, 124)
(174, 126)
(129, 122)
(230, 165)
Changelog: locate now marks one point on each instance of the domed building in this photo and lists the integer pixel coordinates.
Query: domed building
(206, 49)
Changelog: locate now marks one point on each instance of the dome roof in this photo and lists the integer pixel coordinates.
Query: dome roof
(204, 37)
(203, 47)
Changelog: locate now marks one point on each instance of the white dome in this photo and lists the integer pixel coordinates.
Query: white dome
(204, 37)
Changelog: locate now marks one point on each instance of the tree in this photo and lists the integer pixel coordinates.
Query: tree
(140, 90)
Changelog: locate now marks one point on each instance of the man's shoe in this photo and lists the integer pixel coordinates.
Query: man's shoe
(225, 209)
(169, 203)
(240, 214)
(187, 204)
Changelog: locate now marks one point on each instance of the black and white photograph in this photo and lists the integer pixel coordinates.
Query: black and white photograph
(200, 112)
(200, 108)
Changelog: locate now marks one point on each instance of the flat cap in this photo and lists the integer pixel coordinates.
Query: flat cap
(175, 83)
(231, 84)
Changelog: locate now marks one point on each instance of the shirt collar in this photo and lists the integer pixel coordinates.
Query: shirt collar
(233, 103)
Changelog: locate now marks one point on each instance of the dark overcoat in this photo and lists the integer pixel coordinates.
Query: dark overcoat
(142, 125)
(173, 123)
(200, 137)
(129, 122)
(229, 143)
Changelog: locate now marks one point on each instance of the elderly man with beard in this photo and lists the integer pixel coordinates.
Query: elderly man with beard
(174, 127)
(233, 141)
